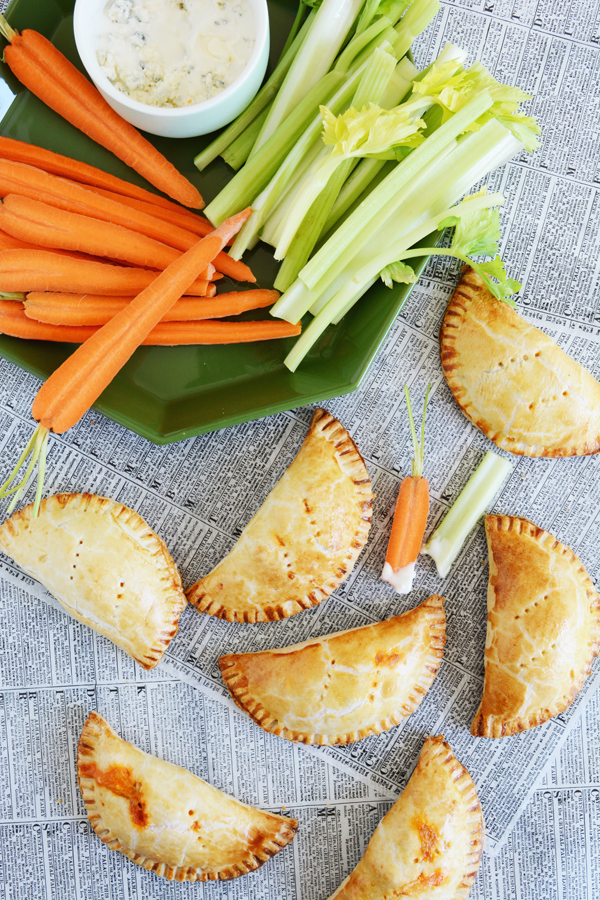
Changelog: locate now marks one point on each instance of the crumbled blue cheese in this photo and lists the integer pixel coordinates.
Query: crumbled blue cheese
(175, 52)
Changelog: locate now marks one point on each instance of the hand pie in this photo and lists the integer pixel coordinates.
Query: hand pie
(430, 842)
(513, 381)
(345, 686)
(166, 819)
(105, 565)
(303, 541)
(543, 628)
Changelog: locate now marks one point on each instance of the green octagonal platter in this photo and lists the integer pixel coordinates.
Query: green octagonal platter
(170, 393)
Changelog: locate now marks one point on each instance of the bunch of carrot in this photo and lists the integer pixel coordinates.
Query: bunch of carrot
(78, 382)
(64, 239)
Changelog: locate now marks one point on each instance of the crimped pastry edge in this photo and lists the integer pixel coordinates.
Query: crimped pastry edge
(468, 287)
(168, 572)
(353, 466)
(494, 726)
(436, 749)
(93, 728)
(237, 685)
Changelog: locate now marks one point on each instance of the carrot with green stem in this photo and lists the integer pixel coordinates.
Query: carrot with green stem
(49, 75)
(78, 382)
(410, 515)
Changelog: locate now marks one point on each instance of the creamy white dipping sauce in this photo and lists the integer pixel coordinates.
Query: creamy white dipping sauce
(175, 52)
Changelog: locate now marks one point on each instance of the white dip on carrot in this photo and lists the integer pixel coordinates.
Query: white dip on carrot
(175, 52)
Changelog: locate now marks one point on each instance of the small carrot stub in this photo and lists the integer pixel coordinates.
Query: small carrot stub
(410, 515)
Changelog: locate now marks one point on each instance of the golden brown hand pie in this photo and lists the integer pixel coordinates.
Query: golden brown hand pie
(430, 842)
(345, 686)
(105, 565)
(303, 541)
(543, 628)
(166, 819)
(513, 381)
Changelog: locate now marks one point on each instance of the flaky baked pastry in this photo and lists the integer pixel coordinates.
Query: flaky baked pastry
(166, 819)
(303, 541)
(105, 565)
(513, 381)
(430, 842)
(345, 686)
(543, 628)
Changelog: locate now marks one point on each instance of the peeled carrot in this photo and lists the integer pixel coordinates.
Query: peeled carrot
(93, 309)
(44, 270)
(50, 76)
(78, 382)
(410, 515)
(49, 226)
(16, 324)
(35, 183)
(56, 164)
(176, 216)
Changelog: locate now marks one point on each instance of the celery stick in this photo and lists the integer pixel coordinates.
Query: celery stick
(329, 28)
(262, 99)
(445, 543)
(239, 150)
(392, 186)
(355, 143)
(261, 166)
(283, 172)
(416, 19)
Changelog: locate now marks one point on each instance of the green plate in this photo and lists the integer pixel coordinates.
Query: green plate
(170, 393)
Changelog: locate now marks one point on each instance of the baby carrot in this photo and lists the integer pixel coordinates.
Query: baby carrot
(78, 382)
(14, 322)
(46, 270)
(57, 164)
(410, 515)
(50, 76)
(93, 309)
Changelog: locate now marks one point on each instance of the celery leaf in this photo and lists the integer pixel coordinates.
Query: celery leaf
(399, 272)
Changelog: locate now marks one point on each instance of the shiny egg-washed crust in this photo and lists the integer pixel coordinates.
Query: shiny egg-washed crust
(303, 541)
(167, 820)
(310, 692)
(543, 628)
(513, 381)
(105, 565)
(429, 844)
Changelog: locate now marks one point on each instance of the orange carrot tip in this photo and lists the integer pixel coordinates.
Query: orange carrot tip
(410, 514)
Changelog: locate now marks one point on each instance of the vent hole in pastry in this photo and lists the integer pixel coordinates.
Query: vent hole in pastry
(500, 364)
(565, 393)
(539, 353)
(191, 812)
(121, 584)
(525, 356)
(416, 860)
(531, 406)
(81, 542)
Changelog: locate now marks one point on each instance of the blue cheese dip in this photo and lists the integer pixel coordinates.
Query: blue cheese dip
(173, 53)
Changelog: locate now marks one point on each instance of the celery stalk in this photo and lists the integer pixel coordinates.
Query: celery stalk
(329, 28)
(239, 150)
(392, 186)
(415, 20)
(261, 166)
(262, 99)
(445, 543)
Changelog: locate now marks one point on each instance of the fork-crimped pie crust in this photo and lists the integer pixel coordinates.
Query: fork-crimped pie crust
(303, 541)
(430, 843)
(166, 819)
(513, 381)
(543, 628)
(342, 687)
(105, 565)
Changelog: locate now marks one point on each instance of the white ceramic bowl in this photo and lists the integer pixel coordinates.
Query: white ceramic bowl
(188, 121)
